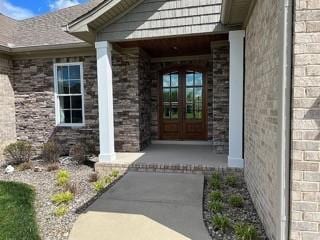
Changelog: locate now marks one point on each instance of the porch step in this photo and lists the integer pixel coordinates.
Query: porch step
(106, 168)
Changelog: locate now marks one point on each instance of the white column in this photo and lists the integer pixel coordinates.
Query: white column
(236, 39)
(105, 98)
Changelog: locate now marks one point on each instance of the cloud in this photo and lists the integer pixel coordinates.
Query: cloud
(59, 4)
(13, 11)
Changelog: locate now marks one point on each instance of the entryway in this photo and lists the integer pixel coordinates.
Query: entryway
(183, 104)
(146, 206)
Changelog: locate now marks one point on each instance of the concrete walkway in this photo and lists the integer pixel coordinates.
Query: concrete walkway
(146, 206)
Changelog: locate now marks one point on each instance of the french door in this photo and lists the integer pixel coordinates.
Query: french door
(183, 105)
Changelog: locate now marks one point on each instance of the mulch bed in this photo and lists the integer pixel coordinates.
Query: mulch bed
(246, 214)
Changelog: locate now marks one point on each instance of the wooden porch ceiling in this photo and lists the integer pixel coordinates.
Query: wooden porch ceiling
(179, 46)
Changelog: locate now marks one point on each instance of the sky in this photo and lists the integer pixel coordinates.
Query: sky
(22, 9)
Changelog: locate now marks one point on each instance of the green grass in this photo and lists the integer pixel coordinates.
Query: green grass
(17, 214)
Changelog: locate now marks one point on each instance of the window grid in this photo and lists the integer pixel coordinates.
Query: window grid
(168, 103)
(61, 110)
(196, 104)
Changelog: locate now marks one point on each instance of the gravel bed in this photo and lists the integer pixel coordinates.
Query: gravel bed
(50, 226)
(246, 214)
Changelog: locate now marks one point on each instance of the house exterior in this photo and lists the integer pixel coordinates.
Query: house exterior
(242, 74)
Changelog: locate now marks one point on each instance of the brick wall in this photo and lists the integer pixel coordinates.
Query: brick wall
(305, 206)
(144, 99)
(261, 124)
(34, 102)
(131, 86)
(220, 96)
(7, 115)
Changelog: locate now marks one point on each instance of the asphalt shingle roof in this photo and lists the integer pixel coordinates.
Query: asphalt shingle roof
(42, 30)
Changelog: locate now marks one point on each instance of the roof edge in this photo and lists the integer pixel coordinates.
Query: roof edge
(225, 11)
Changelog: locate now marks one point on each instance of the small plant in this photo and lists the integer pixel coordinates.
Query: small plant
(53, 167)
(72, 187)
(215, 183)
(114, 174)
(231, 181)
(99, 185)
(245, 231)
(78, 153)
(63, 197)
(61, 211)
(25, 166)
(63, 177)
(93, 177)
(221, 222)
(18, 152)
(215, 206)
(51, 151)
(215, 196)
(107, 180)
(236, 201)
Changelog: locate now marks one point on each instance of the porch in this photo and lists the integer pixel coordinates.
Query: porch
(162, 90)
(179, 157)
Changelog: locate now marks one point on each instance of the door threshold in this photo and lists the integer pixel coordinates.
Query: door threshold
(177, 142)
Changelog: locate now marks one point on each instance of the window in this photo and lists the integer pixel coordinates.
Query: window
(194, 95)
(68, 85)
(170, 92)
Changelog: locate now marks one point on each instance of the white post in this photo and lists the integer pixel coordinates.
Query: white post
(236, 39)
(105, 98)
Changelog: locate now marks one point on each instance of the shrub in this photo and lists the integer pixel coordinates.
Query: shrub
(53, 167)
(90, 148)
(216, 175)
(25, 166)
(63, 197)
(51, 151)
(63, 177)
(215, 183)
(245, 231)
(72, 187)
(99, 185)
(61, 211)
(231, 181)
(18, 152)
(93, 177)
(215, 196)
(221, 222)
(78, 153)
(236, 201)
(215, 206)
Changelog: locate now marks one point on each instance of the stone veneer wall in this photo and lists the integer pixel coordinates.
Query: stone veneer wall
(144, 99)
(7, 112)
(261, 126)
(305, 157)
(220, 96)
(35, 111)
(131, 86)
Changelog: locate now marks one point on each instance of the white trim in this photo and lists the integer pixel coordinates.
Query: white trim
(236, 39)
(172, 142)
(56, 95)
(105, 100)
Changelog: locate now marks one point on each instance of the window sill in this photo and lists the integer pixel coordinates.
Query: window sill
(80, 125)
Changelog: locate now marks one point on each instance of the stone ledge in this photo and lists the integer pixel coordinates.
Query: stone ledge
(105, 168)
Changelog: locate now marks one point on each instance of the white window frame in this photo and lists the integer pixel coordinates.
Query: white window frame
(56, 95)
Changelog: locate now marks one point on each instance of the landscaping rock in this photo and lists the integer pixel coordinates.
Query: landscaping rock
(246, 214)
(9, 169)
(50, 226)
